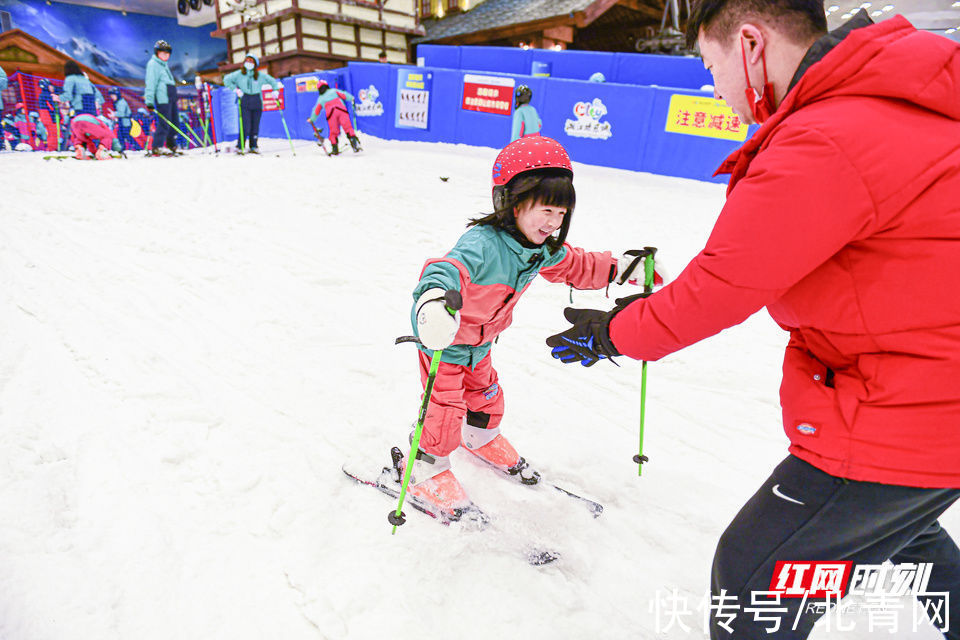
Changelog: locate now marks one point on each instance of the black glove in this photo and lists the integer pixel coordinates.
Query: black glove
(588, 340)
(149, 108)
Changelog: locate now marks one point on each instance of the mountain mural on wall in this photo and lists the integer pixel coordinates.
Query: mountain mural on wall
(114, 44)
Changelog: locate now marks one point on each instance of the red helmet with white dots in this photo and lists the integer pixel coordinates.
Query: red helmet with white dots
(527, 154)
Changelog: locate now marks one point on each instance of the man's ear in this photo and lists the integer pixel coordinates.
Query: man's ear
(753, 41)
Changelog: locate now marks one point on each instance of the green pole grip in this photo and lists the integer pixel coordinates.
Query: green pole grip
(415, 443)
(648, 272)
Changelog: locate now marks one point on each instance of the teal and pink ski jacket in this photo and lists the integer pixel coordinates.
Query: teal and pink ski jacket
(491, 270)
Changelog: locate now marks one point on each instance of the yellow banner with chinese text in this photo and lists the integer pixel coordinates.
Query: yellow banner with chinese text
(705, 117)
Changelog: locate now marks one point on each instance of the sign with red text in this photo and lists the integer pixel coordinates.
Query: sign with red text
(269, 102)
(487, 94)
(704, 117)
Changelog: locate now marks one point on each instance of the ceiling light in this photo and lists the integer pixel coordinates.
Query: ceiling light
(889, 7)
(845, 16)
(876, 13)
(955, 4)
(833, 7)
(950, 30)
(866, 5)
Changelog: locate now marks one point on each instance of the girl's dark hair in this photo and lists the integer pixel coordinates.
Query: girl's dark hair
(71, 68)
(549, 187)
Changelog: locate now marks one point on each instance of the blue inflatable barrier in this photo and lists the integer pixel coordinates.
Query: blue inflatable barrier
(625, 68)
(680, 132)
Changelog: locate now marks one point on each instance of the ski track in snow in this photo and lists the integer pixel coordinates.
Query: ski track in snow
(192, 348)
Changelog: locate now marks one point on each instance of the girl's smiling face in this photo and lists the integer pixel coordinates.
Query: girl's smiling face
(537, 221)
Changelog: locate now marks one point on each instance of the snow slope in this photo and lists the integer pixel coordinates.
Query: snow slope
(192, 347)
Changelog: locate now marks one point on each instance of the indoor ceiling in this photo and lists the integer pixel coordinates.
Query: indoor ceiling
(934, 15)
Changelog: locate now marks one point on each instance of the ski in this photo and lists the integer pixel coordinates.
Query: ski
(387, 484)
(593, 506)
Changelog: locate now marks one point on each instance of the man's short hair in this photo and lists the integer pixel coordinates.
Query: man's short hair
(797, 19)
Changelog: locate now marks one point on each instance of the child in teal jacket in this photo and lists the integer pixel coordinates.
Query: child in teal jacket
(488, 270)
(526, 120)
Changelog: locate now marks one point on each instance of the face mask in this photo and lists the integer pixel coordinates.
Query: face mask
(248, 66)
(761, 102)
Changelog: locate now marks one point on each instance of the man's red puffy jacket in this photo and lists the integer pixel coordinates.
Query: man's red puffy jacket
(843, 219)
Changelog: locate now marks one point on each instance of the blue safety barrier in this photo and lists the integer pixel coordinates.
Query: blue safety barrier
(625, 68)
(610, 124)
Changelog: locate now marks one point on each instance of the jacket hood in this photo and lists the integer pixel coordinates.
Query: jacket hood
(890, 59)
(256, 60)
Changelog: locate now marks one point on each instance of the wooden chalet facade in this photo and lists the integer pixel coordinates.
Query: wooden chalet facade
(594, 25)
(20, 51)
(297, 36)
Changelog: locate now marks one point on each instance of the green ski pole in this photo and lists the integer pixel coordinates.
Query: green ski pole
(454, 303)
(195, 136)
(240, 118)
(289, 139)
(174, 127)
(648, 272)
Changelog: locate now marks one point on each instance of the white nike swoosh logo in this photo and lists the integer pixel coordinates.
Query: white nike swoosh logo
(776, 492)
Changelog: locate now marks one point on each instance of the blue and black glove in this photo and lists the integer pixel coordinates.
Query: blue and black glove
(588, 340)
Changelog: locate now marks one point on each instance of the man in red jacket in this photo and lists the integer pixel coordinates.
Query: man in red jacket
(842, 219)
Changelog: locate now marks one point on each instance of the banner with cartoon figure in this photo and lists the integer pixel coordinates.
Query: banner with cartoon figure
(368, 102)
(589, 122)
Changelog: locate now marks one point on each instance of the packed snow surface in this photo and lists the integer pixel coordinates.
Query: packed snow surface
(193, 347)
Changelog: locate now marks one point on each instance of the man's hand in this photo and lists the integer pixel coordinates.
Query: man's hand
(588, 340)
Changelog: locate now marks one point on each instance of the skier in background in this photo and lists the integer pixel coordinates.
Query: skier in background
(526, 121)
(78, 92)
(123, 116)
(22, 124)
(248, 83)
(490, 267)
(148, 126)
(95, 133)
(38, 131)
(332, 103)
(11, 134)
(3, 85)
(48, 107)
(160, 94)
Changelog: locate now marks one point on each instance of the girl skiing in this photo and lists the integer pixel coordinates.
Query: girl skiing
(491, 265)
(331, 103)
(526, 120)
